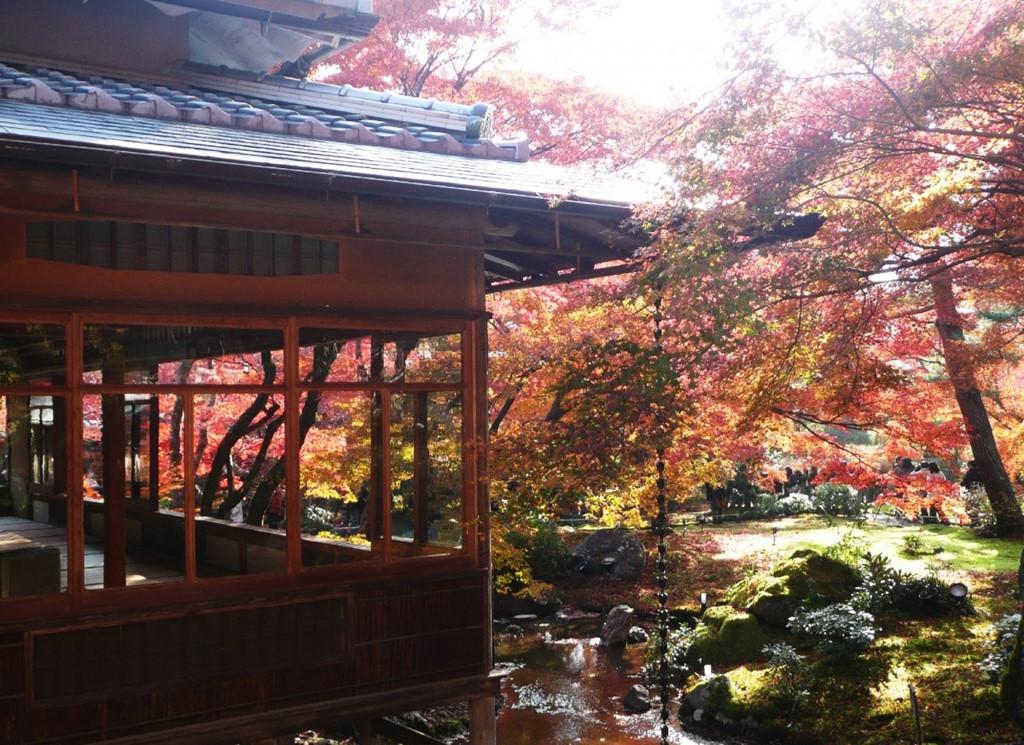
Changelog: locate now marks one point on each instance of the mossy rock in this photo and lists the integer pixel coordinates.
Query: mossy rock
(805, 578)
(726, 636)
(1009, 685)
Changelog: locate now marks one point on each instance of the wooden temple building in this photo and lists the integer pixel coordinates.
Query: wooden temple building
(243, 392)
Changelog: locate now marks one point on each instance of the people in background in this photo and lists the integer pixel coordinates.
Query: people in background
(972, 477)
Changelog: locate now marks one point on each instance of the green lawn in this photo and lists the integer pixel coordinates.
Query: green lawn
(962, 550)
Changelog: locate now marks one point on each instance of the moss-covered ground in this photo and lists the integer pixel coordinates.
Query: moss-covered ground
(864, 701)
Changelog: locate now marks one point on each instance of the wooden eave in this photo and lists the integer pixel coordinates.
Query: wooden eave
(577, 239)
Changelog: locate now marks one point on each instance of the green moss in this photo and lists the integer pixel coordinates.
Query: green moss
(806, 577)
(726, 636)
(1009, 684)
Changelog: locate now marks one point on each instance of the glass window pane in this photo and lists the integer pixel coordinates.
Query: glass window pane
(426, 472)
(337, 473)
(429, 359)
(133, 490)
(183, 355)
(240, 483)
(339, 356)
(32, 354)
(33, 521)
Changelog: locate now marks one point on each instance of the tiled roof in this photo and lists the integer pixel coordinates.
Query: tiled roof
(279, 105)
(184, 139)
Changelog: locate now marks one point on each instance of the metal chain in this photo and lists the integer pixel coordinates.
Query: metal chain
(662, 564)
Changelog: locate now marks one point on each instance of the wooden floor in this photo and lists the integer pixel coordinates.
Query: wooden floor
(138, 572)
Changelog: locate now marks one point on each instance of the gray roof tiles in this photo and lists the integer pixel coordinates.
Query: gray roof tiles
(347, 114)
(340, 156)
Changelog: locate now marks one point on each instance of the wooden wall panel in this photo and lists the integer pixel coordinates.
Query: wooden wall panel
(401, 633)
(99, 661)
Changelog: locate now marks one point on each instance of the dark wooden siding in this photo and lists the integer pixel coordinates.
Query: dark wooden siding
(114, 676)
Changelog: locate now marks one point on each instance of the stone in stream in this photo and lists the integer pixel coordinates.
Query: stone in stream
(611, 551)
(636, 635)
(638, 700)
(616, 626)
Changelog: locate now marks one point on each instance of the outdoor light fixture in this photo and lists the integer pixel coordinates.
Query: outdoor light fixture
(703, 602)
(707, 671)
(958, 590)
(775, 532)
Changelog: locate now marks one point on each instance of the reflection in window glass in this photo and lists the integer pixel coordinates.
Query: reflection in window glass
(339, 356)
(33, 529)
(337, 476)
(182, 355)
(429, 359)
(31, 354)
(133, 489)
(240, 483)
(426, 471)
(358, 357)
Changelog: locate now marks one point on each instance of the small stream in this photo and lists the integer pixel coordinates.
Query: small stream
(562, 688)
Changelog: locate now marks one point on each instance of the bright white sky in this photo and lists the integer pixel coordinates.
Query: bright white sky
(656, 51)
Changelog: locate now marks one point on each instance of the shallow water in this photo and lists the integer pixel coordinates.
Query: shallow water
(562, 688)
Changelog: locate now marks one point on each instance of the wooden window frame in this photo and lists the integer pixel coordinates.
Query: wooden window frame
(77, 598)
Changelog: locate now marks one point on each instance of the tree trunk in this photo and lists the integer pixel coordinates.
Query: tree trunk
(960, 368)
(178, 412)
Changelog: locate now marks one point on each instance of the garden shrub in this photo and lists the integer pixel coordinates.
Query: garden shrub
(912, 544)
(837, 499)
(836, 629)
(927, 595)
(544, 549)
(794, 504)
(1002, 635)
(790, 675)
(679, 642)
(850, 549)
(509, 565)
(884, 588)
(878, 582)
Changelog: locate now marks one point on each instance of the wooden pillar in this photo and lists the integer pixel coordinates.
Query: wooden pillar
(366, 735)
(19, 466)
(421, 468)
(59, 442)
(154, 453)
(483, 722)
(115, 543)
(378, 440)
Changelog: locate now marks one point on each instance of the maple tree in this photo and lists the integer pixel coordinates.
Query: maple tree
(462, 51)
(909, 147)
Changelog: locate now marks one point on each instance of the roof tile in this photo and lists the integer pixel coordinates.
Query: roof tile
(355, 115)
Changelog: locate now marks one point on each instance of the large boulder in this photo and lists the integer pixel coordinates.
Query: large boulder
(616, 626)
(638, 700)
(806, 577)
(611, 551)
(710, 694)
(725, 635)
